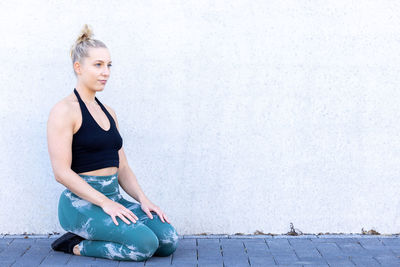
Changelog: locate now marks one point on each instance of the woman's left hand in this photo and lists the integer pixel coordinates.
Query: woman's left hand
(147, 206)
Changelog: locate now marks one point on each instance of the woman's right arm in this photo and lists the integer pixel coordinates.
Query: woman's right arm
(59, 140)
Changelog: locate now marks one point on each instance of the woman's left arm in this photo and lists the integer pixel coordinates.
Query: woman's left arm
(127, 180)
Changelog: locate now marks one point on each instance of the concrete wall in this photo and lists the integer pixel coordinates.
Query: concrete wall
(236, 116)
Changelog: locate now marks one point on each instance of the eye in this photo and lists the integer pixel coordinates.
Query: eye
(97, 64)
(109, 65)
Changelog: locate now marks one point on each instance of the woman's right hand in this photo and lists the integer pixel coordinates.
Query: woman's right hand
(115, 209)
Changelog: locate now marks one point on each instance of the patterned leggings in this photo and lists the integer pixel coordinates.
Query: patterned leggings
(136, 241)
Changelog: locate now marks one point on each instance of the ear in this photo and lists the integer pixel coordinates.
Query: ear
(77, 68)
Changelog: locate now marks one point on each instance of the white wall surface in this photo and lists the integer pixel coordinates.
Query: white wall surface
(236, 116)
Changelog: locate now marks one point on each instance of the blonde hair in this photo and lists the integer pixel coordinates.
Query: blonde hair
(80, 49)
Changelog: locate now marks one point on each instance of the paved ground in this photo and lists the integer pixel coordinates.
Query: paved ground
(224, 251)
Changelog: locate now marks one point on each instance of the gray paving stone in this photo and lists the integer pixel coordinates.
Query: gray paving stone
(6, 262)
(279, 245)
(187, 243)
(370, 241)
(379, 251)
(13, 252)
(256, 246)
(365, 261)
(56, 257)
(285, 259)
(249, 236)
(236, 264)
(259, 253)
(127, 264)
(217, 236)
(388, 260)
(257, 260)
(107, 262)
(391, 241)
(297, 236)
(312, 261)
(210, 264)
(192, 257)
(43, 242)
(234, 252)
(5, 242)
(209, 253)
(290, 265)
(195, 237)
(333, 240)
(395, 250)
(29, 261)
(184, 264)
(59, 265)
(278, 241)
(301, 243)
(209, 261)
(22, 242)
(317, 265)
(352, 249)
(159, 261)
(76, 260)
(330, 250)
(208, 242)
(340, 262)
(216, 250)
(15, 236)
(308, 253)
(231, 242)
(208, 248)
(33, 257)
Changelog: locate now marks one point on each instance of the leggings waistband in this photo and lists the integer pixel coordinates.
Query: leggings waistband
(107, 184)
(97, 177)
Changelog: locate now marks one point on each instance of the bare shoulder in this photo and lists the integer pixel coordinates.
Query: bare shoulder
(64, 111)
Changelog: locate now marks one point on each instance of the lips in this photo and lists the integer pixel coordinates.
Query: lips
(103, 81)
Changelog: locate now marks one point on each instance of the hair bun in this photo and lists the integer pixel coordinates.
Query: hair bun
(86, 34)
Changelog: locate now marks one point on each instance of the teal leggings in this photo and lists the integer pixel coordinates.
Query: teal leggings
(136, 241)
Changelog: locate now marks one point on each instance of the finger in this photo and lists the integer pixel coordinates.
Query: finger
(129, 215)
(114, 220)
(149, 214)
(133, 215)
(147, 211)
(160, 215)
(166, 218)
(123, 218)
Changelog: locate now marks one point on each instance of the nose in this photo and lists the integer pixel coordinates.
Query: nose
(105, 71)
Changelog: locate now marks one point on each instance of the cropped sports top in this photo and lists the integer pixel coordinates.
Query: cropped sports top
(93, 147)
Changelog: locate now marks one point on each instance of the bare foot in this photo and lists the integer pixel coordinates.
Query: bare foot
(76, 250)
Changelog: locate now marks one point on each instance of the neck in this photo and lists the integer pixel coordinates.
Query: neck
(87, 95)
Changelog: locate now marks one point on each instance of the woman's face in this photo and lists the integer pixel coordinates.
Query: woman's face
(94, 71)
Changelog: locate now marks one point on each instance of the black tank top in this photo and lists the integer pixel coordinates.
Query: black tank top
(93, 147)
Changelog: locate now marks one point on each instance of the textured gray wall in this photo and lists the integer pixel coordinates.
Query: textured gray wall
(236, 116)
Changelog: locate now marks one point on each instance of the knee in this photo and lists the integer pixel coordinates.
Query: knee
(143, 248)
(168, 243)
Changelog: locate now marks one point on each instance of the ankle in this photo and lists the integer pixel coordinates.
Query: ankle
(76, 250)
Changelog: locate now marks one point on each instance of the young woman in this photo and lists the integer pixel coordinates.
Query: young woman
(87, 157)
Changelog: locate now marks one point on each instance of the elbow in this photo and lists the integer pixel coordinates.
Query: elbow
(58, 178)
(60, 175)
